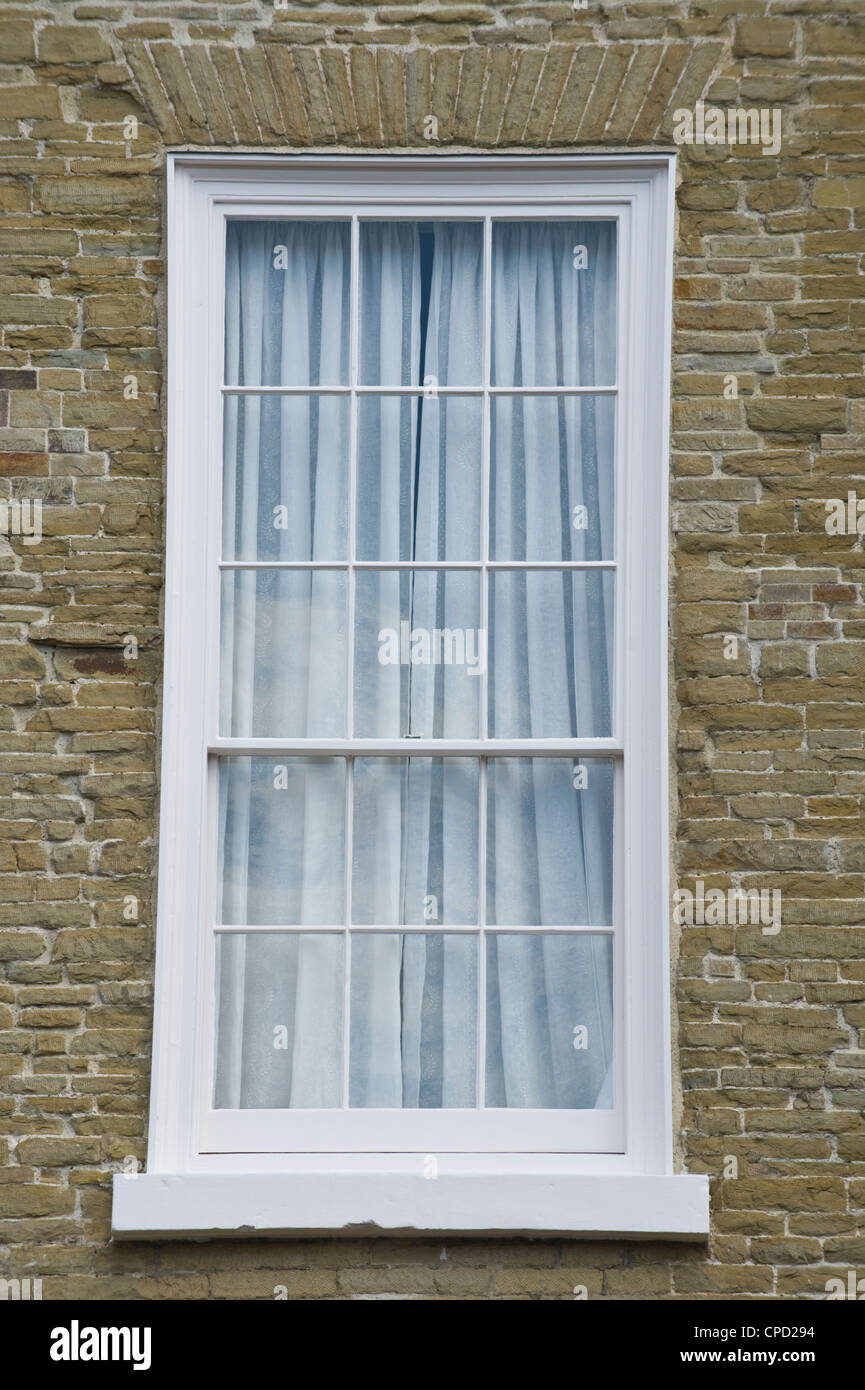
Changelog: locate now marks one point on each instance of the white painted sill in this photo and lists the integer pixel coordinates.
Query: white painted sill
(199, 1206)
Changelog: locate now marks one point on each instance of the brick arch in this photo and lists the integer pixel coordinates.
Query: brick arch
(558, 95)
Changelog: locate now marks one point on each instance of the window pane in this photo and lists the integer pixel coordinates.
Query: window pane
(554, 304)
(413, 1020)
(419, 478)
(285, 477)
(279, 1004)
(551, 654)
(549, 842)
(283, 659)
(552, 478)
(415, 851)
(281, 841)
(549, 1025)
(419, 654)
(287, 288)
(421, 298)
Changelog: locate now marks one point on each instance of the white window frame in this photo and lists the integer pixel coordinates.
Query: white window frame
(286, 1171)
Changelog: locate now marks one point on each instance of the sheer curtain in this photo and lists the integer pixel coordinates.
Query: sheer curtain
(282, 660)
(551, 641)
(413, 1002)
(414, 857)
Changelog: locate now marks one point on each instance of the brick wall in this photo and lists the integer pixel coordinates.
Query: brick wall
(769, 422)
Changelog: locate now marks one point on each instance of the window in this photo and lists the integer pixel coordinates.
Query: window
(412, 867)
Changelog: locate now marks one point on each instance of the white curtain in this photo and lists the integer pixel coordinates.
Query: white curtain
(551, 642)
(279, 997)
(416, 820)
(414, 857)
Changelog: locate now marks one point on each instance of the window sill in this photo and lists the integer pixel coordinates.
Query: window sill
(199, 1206)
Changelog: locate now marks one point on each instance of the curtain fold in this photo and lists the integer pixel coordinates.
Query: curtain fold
(283, 638)
(414, 861)
(551, 640)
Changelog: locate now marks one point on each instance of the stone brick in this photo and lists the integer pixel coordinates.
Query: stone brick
(764, 38)
(839, 193)
(633, 91)
(168, 58)
(29, 102)
(19, 42)
(19, 465)
(17, 380)
(73, 43)
(57, 1153)
(17, 1200)
(796, 417)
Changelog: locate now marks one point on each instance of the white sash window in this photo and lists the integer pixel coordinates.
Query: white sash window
(413, 883)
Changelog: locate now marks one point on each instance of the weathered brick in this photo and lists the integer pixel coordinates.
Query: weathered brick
(764, 38)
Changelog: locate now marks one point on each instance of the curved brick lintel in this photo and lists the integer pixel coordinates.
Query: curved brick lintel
(358, 96)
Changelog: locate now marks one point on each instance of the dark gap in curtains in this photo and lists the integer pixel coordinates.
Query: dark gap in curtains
(433, 995)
